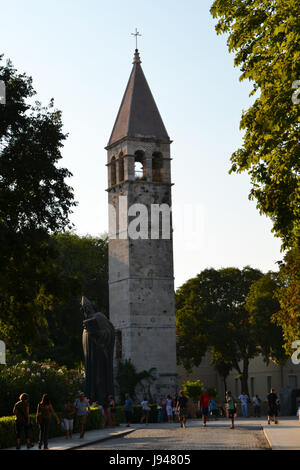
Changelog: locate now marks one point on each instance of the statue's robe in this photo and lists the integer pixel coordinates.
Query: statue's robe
(98, 345)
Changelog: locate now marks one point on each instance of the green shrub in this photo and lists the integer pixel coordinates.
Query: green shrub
(7, 428)
(212, 391)
(193, 389)
(35, 379)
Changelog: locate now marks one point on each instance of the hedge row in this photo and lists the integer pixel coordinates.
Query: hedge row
(7, 428)
(94, 421)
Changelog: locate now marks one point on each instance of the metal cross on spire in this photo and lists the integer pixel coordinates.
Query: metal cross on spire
(136, 34)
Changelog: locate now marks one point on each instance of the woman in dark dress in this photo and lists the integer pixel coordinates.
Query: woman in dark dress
(43, 413)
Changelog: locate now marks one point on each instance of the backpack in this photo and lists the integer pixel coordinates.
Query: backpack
(20, 411)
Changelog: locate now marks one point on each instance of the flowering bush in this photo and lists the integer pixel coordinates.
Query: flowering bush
(36, 379)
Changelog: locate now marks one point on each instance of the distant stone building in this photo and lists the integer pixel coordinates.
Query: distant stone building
(262, 377)
(141, 281)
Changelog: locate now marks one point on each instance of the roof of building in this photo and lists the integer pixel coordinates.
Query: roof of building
(138, 115)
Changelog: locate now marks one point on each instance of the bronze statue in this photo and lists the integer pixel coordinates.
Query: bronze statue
(98, 341)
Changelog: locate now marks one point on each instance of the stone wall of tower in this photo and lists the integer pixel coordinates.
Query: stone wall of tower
(141, 283)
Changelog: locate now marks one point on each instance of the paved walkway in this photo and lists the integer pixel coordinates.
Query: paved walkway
(215, 436)
(251, 433)
(90, 437)
(285, 435)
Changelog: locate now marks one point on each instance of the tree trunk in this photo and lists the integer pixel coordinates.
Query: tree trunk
(244, 377)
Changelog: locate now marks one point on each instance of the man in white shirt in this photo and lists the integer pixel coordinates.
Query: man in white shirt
(81, 405)
(244, 401)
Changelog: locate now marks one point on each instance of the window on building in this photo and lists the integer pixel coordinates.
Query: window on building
(139, 165)
(121, 167)
(157, 167)
(292, 381)
(113, 173)
(269, 383)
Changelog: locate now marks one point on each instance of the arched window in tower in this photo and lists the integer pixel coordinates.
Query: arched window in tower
(121, 167)
(139, 165)
(157, 167)
(113, 173)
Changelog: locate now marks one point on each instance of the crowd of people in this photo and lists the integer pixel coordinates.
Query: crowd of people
(174, 409)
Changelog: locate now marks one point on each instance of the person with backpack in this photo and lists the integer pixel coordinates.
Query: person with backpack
(230, 407)
(22, 423)
(43, 413)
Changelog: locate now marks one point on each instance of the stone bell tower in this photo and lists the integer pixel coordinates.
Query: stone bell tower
(141, 281)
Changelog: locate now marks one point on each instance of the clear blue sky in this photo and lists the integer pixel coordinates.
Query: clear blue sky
(80, 53)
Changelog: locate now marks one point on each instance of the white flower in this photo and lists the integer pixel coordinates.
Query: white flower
(28, 370)
(38, 374)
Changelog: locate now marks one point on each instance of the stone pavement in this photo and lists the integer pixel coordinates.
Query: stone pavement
(216, 436)
(251, 433)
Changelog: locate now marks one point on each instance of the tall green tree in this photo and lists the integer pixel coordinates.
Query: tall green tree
(265, 37)
(35, 201)
(288, 295)
(211, 315)
(84, 258)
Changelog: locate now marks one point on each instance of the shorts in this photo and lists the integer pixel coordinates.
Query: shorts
(231, 413)
(204, 411)
(145, 413)
(169, 410)
(68, 424)
(273, 410)
(182, 412)
(214, 412)
(19, 427)
(82, 419)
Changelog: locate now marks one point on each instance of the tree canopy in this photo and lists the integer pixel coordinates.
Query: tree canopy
(220, 311)
(35, 201)
(265, 37)
(288, 315)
